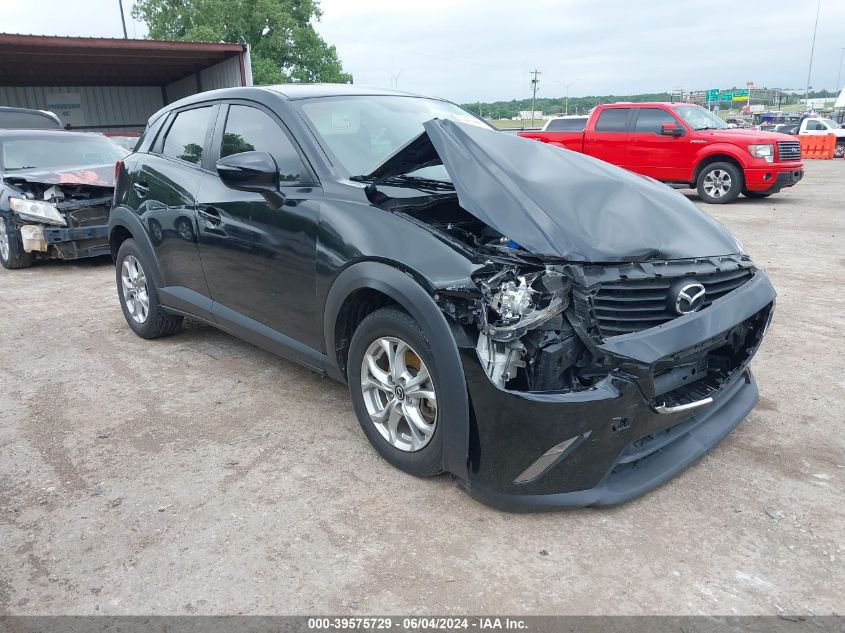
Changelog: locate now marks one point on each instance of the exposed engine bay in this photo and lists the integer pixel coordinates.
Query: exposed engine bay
(539, 323)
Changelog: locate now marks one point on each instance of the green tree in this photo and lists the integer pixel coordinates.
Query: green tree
(283, 43)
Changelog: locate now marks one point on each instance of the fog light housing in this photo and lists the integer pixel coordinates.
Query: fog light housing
(32, 237)
(548, 458)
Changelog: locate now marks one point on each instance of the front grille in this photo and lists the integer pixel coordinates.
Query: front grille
(789, 150)
(90, 216)
(628, 305)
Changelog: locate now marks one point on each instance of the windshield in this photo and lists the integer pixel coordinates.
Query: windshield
(362, 131)
(700, 119)
(51, 153)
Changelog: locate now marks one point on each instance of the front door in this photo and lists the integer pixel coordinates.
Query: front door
(653, 154)
(259, 261)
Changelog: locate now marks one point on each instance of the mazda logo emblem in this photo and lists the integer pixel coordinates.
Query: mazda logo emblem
(689, 298)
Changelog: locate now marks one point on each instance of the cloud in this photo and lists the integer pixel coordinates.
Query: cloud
(476, 50)
(468, 50)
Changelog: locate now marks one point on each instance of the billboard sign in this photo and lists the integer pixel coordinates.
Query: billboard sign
(68, 106)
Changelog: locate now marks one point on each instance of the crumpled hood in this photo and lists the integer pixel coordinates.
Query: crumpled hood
(96, 175)
(558, 203)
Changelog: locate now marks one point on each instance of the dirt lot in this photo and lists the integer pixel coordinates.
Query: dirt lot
(198, 474)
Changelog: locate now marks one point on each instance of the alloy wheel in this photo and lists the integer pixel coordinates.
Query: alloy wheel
(717, 183)
(399, 394)
(839, 150)
(135, 295)
(4, 241)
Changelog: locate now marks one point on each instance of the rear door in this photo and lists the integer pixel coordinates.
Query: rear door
(163, 193)
(260, 261)
(608, 138)
(652, 154)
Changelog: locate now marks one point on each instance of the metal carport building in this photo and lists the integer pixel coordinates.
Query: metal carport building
(112, 85)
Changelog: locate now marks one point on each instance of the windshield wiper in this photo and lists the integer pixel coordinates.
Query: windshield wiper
(708, 127)
(19, 168)
(404, 180)
(417, 181)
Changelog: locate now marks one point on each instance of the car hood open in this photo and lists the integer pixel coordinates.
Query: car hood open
(97, 175)
(558, 203)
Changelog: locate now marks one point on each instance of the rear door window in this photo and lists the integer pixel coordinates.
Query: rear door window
(186, 137)
(613, 120)
(651, 120)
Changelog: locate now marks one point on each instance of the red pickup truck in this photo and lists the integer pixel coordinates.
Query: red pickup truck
(687, 146)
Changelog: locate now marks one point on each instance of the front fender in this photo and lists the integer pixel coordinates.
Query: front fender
(122, 217)
(408, 293)
(726, 149)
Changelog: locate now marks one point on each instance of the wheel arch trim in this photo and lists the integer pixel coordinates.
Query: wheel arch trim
(123, 217)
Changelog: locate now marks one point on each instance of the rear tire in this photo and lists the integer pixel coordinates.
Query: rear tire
(410, 437)
(719, 183)
(12, 255)
(138, 295)
(839, 150)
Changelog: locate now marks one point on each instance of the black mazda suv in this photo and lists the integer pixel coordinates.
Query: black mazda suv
(548, 328)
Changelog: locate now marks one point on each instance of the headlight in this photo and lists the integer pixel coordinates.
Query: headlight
(37, 211)
(766, 152)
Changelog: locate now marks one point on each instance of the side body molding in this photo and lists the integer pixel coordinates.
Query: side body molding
(408, 293)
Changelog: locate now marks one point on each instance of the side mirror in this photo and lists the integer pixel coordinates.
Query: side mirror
(670, 129)
(252, 171)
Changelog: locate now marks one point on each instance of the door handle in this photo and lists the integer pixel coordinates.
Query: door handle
(141, 187)
(210, 215)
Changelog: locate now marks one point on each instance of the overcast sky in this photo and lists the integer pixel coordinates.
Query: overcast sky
(468, 50)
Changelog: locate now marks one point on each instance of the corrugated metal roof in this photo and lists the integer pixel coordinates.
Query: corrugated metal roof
(47, 60)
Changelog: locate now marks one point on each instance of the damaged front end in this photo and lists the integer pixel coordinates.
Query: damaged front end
(587, 388)
(590, 382)
(60, 217)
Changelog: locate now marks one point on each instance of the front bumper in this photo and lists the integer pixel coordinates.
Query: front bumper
(774, 177)
(623, 447)
(78, 242)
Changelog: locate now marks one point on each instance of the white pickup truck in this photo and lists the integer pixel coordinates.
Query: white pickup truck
(820, 127)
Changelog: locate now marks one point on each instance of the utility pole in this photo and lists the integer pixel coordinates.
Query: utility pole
(534, 81)
(812, 50)
(567, 95)
(122, 19)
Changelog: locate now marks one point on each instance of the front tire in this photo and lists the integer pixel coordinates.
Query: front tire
(12, 255)
(393, 382)
(139, 296)
(719, 183)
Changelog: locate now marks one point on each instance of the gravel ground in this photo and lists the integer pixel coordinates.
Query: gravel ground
(198, 474)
